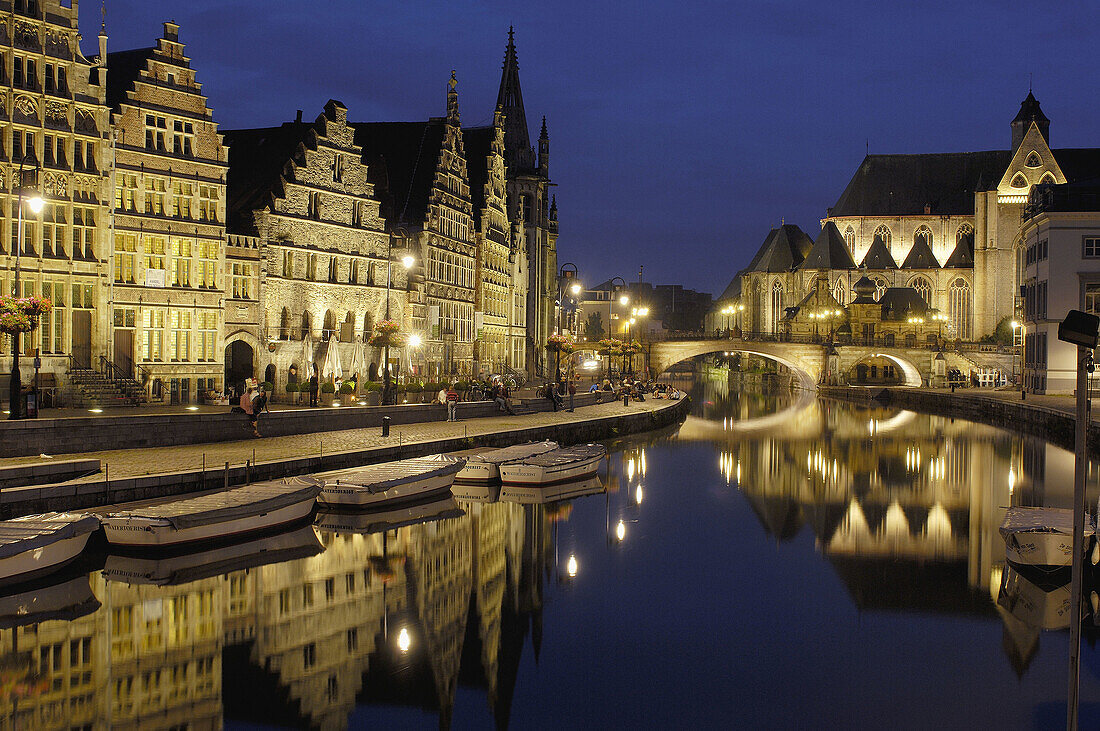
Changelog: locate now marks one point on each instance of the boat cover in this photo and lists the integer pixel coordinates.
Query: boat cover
(232, 504)
(515, 453)
(66, 600)
(567, 455)
(1042, 520)
(363, 523)
(35, 531)
(381, 477)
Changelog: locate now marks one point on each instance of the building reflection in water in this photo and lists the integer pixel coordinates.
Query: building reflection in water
(401, 616)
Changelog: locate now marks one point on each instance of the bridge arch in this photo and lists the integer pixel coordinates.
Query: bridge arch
(805, 361)
(911, 375)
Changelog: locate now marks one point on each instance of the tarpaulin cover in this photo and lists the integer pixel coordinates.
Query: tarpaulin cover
(515, 453)
(567, 455)
(232, 504)
(1041, 520)
(35, 531)
(381, 477)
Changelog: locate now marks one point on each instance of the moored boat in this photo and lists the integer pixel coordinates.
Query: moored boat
(485, 467)
(62, 596)
(1042, 536)
(223, 515)
(553, 492)
(35, 545)
(558, 465)
(387, 483)
(362, 522)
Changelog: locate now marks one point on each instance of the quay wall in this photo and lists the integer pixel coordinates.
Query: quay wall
(81, 434)
(75, 495)
(1053, 425)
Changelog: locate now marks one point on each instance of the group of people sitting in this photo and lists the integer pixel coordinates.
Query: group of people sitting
(634, 389)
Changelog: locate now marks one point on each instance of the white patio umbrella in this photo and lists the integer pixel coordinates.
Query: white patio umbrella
(307, 358)
(358, 362)
(331, 365)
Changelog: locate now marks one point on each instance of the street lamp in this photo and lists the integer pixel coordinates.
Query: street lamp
(35, 203)
(1015, 351)
(406, 261)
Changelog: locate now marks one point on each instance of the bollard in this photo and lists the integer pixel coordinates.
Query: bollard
(247, 472)
(626, 399)
(202, 482)
(106, 483)
(385, 426)
(226, 475)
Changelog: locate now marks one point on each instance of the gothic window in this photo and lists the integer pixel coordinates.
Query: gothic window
(353, 277)
(288, 265)
(1033, 160)
(883, 233)
(307, 324)
(776, 307)
(960, 310)
(329, 325)
(1019, 181)
(850, 238)
(368, 325)
(337, 168)
(332, 268)
(311, 268)
(314, 210)
(965, 232)
(880, 287)
(923, 234)
(1048, 179)
(840, 292)
(923, 287)
(284, 325)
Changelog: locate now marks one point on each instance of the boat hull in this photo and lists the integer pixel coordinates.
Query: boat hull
(359, 497)
(478, 472)
(1032, 548)
(138, 532)
(37, 562)
(476, 492)
(527, 474)
(541, 494)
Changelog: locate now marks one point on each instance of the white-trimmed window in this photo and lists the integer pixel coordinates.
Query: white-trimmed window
(1090, 247)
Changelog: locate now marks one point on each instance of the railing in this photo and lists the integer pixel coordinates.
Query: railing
(877, 341)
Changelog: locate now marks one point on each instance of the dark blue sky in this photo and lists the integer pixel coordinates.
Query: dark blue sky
(681, 131)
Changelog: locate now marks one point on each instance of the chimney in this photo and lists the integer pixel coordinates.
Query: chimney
(298, 118)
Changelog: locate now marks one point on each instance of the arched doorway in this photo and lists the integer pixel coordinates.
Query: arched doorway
(269, 374)
(239, 364)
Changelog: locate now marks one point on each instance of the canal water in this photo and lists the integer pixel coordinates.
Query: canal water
(774, 562)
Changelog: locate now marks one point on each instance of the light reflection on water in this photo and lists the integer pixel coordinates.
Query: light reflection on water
(772, 562)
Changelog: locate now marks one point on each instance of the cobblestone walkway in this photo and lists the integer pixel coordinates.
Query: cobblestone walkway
(133, 462)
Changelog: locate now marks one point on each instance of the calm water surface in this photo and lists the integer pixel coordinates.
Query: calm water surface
(772, 563)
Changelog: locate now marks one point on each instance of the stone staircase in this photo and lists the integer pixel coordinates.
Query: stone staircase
(89, 387)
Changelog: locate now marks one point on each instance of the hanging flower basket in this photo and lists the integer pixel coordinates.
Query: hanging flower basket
(35, 306)
(559, 343)
(629, 349)
(609, 346)
(388, 333)
(20, 315)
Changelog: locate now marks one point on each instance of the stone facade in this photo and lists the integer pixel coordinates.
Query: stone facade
(54, 123)
(170, 284)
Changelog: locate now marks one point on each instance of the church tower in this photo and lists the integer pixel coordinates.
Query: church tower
(1029, 112)
(517, 139)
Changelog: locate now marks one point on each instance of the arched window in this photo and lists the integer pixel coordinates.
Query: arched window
(840, 292)
(923, 234)
(329, 325)
(284, 325)
(332, 268)
(1047, 179)
(883, 232)
(880, 287)
(353, 276)
(966, 231)
(923, 287)
(307, 324)
(1019, 181)
(311, 267)
(776, 313)
(368, 326)
(960, 310)
(1033, 160)
(850, 238)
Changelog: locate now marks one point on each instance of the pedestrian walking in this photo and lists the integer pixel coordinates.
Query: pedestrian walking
(572, 392)
(452, 403)
(314, 387)
(246, 405)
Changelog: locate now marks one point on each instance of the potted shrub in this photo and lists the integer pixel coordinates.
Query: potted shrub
(327, 391)
(269, 388)
(291, 392)
(414, 389)
(346, 388)
(373, 390)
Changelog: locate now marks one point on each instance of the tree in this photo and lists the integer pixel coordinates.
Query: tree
(593, 327)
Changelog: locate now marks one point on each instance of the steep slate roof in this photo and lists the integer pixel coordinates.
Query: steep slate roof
(878, 256)
(123, 69)
(733, 289)
(962, 257)
(402, 158)
(257, 160)
(829, 251)
(477, 143)
(1030, 110)
(920, 256)
(783, 250)
(900, 302)
(901, 185)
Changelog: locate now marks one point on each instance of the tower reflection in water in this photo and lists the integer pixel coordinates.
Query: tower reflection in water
(321, 620)
(906, 507)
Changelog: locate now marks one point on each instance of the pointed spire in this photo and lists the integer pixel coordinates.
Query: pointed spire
(452, 100)
(543, 135)
(517, 139)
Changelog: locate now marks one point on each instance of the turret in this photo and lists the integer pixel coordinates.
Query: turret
(544, 150)
(452, 100)
(1029, 113)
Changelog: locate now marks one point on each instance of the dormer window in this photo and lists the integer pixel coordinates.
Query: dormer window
(1048, 179)
(1019, 181)
(1033, 160)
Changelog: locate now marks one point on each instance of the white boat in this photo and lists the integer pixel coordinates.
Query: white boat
(1038, 605)
(485, 467)
(35, 545)
(541, 494)
(62, 597)
(558, 465)
(1042, 536)
(375, 521)
(215, 516)
(476, 492)
(387, 483)
(174, 570)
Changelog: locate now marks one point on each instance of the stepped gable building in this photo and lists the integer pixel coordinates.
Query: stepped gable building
(420, 171)
(170, 285)
(529, 197)
(303, 193)
(501, 267)
(54, 123)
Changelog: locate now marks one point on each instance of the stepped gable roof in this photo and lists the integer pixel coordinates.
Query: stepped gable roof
(258, 159)
(123, 69)
(402, 159)
(829, 251)
(878, 256)
(901, 302)
(920, 256)
(477, 142)
(963, 255)
(733, 289)
(783, 250)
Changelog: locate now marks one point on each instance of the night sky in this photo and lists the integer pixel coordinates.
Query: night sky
(680, 131)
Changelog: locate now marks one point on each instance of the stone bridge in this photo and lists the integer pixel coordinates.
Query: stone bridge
(808, 361)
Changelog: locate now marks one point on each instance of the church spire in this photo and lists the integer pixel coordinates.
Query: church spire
(517, 139)
(452, 100)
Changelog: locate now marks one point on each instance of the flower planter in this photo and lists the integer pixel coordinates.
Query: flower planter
(326, 398)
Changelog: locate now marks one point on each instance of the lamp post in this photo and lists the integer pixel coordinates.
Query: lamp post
(1015, 351)
(35, 202)
(407, 261)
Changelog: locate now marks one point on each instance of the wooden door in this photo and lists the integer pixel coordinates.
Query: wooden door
(124, 351)
(82, 338)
